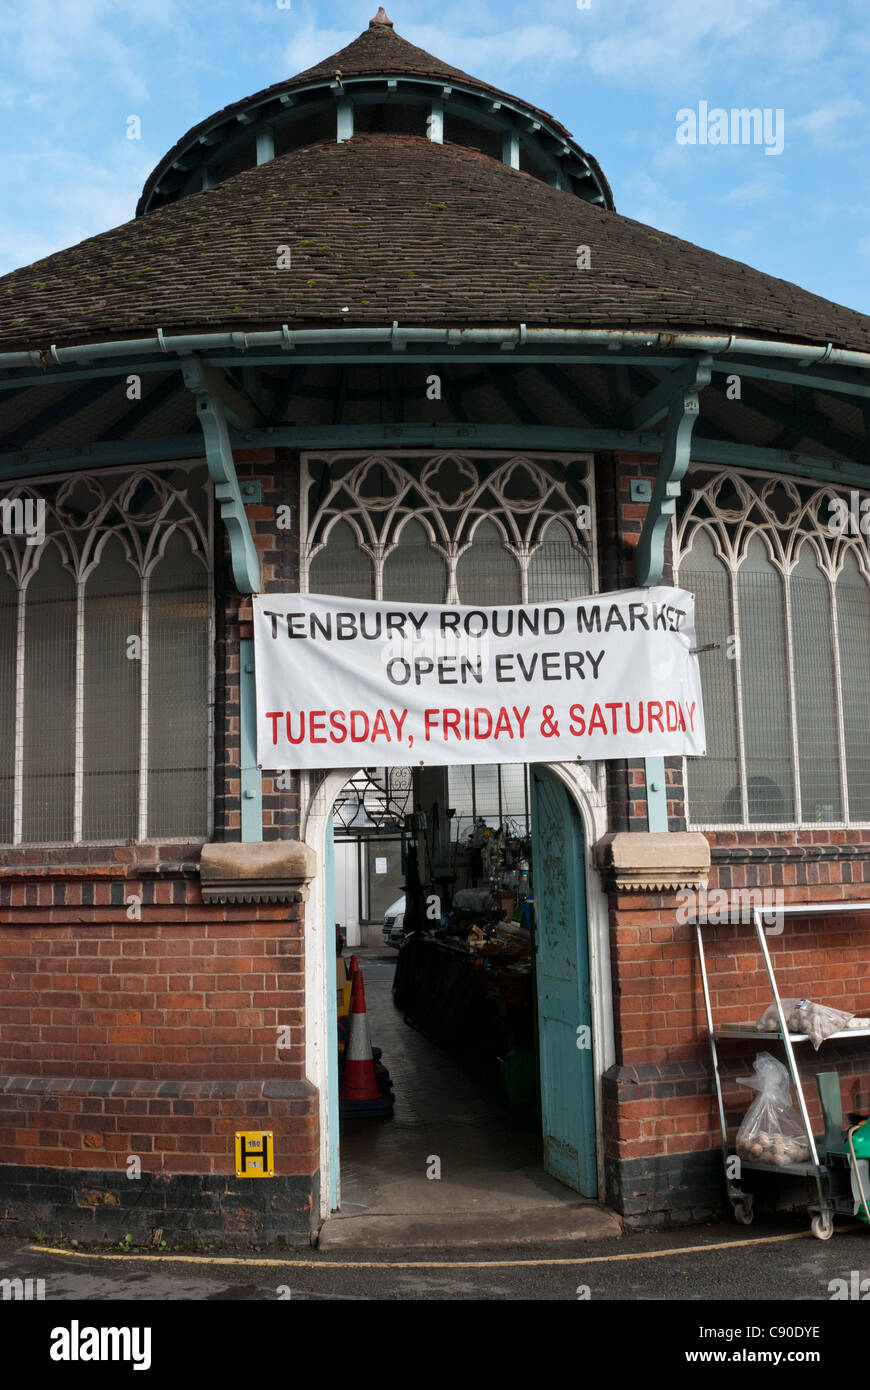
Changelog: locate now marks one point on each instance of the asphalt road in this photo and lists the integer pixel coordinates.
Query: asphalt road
(773, 1262)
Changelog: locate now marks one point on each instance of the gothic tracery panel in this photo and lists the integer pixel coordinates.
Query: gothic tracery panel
(781, 572)
(523, 522)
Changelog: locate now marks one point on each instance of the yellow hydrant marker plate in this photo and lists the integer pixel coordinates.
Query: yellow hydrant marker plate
(255, 1153)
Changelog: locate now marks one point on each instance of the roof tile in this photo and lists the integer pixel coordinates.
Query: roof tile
(390, 227)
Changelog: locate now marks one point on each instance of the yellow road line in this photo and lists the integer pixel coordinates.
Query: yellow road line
(424, 1264)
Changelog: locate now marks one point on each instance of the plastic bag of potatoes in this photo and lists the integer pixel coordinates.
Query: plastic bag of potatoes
(771, 1131)
(803, 1016)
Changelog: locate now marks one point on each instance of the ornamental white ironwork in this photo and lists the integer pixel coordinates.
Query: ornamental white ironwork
(781, 569)
(449, 494)
(83, 510)
(81, 513)
(785, 512)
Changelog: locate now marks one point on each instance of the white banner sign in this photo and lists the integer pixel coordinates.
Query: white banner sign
(351, 682)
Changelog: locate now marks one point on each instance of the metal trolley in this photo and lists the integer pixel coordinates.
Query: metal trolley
(829, 1167)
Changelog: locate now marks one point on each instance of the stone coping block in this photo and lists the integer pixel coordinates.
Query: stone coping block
(137, 1089)
(654, 861)
(273, 871)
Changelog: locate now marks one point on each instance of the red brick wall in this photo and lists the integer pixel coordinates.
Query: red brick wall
(173, 1128)
(663, 1100)
(157, 1037)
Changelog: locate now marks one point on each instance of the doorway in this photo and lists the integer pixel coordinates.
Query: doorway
(575, 1035)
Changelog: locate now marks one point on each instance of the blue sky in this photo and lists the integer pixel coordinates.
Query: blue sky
(616, 74)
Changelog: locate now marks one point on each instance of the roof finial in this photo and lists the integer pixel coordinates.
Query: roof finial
(380, 18)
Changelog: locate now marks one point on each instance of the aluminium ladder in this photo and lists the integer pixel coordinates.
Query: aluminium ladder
(825, 1173)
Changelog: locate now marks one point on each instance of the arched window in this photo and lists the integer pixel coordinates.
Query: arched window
(762, 658)
(507, 527)
(711, 779)
(105, 662)
(853, 624)
(8, 649)
(341, 567)
(178, 664)
(487, 572)
(499, 528)
(112, 614)
(413, 571)
(815, 690)
(49, 701)
(787, 693)
(558, 569)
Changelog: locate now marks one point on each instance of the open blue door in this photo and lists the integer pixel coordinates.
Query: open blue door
(562, 968)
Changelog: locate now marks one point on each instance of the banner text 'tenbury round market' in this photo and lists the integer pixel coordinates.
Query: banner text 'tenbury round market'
(348, 682)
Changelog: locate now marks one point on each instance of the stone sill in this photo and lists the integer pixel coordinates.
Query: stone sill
(263, 871)
(99, 861)
(653, 861)
(157, 1088)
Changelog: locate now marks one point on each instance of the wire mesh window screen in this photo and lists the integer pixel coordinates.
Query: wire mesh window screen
(414, 572)
(105, 662)
(178, 666)
(714, 779)
(491, 793)
(815, 691)
(112, 674)
(8, 651)
(787, 695)
(342, 568)
(764, 682)
(49, 701)
(486, 571)
(853, 623)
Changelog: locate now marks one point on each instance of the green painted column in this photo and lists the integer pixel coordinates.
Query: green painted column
(251, 777)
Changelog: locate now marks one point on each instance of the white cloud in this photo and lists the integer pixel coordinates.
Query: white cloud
(19, 247)
(754, 190)
(647, 201)
(311, 45)
(824, 124)
(685, 43)
(78, 198)
(523, 48)
(673, 156)
(54, 43)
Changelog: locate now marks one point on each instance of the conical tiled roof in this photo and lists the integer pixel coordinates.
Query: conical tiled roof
(378, 50)
(385, 228)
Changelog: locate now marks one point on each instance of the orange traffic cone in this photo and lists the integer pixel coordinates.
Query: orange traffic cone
(359, 1084)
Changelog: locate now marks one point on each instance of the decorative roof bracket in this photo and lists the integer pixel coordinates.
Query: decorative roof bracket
(683, 409)
(219, 456)
(656, 403)
(676, 450)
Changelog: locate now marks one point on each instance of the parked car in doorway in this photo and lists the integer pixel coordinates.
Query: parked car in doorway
(394, 923)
